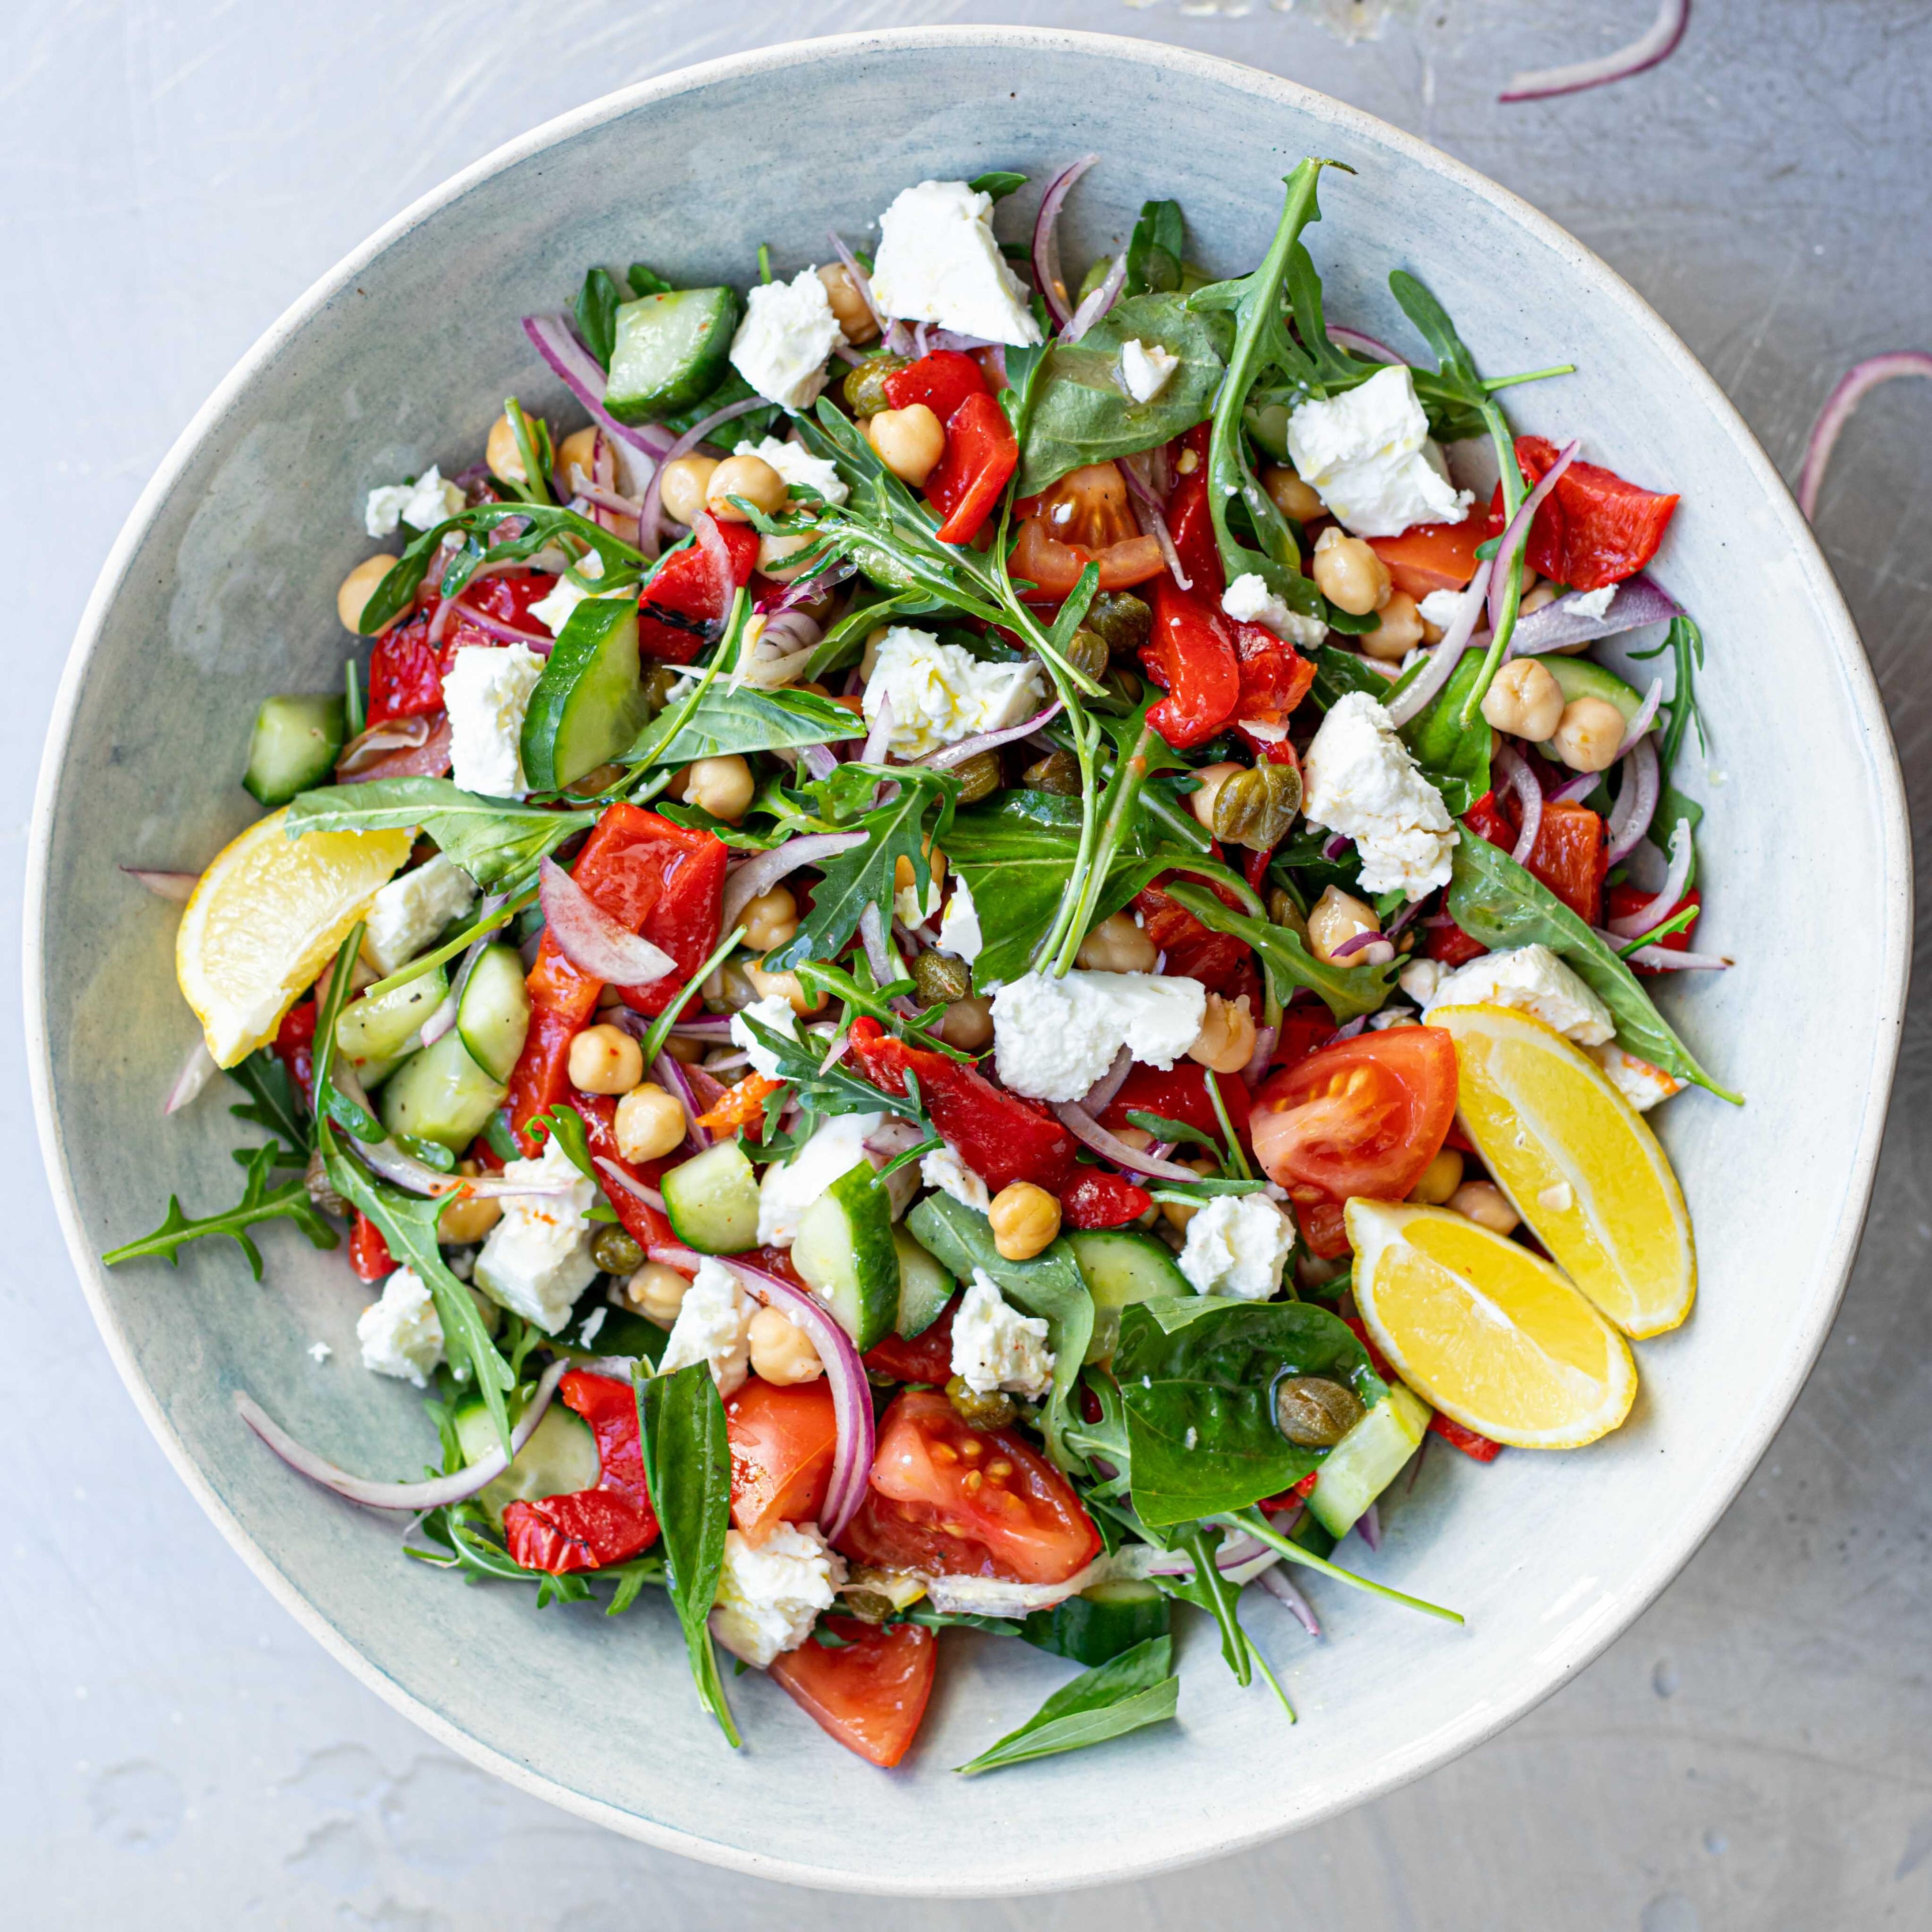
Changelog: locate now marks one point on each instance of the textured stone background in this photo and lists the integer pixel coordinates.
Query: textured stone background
(174, 1755)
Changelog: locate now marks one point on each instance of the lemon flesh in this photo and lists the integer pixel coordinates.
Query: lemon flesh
(266, 919)
(1578, 1163)
(1487, 1332)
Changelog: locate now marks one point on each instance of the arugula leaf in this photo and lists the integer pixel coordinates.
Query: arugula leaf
(816, 975)
(746, 719)
(998, 182)
(259, 1203)
(1454, 756)
(1200, 1399)
(645, 281)
(563, 1120)
(273, 1102)
(1157, 251)
(837, 1089)
(1495, 902)
(597, 314)
(688, 1467)
(1257, 1524)
(1127, 1693)
(1348, 990)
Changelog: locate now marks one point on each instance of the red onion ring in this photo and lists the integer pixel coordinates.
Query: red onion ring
(629, 1183)
(591, 940)
(1281, 1587)
(1557, 626)
(1354, 1027)
(1366, 941)
(196, 1071)
(384, 1157)
(1573, 791)
(1658, 43)
(1645, 712)
(1636, 799)
(879, 738)
(1097, 303)
(650, 513)
(1529, 795)
(1046, 275)
(556, 339)
(885, 963)
(1336, 846)
(1667, 959)
(177, 888)
(1654, 912)
(438, 1491)
(1083, 1126)
(861, 280)
(1444, 659)
(1369, 1527)
(1857, 382)
(539, 641)
(757, 876)
(1517, 534)
(669, 1075)
(1109, 1083)
(1151, 517)
(1256, 1072)
(950, 755)
(1365, 345)
(399, 748)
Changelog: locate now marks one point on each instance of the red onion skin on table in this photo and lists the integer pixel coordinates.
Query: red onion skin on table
(1636, 799)
(1640, 600)
(177, 888)
(1657, 43)
(590, 939)
(1529, 795)
(1517, 533)
(1047, 278)
(1083, 1126)
(1852, 388)
(1369, 1527)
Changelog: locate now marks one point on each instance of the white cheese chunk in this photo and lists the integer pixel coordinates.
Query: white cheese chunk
(944, 1170)
(1237, 1246)
(320, 1352)
(770, 1594)
(537, 1260)
(773, 1011)
(1053, 1036)
(790, 1187)
(959, 932)
(938, 262)
(800, 469)
(1420, 978)
(1533, 980)
(422, 504)
(401, 1334)
(409, 911)
(1591, 603)
(781, 345)
(1248, 600)
(941, 693)
(487, 693)
(1442, 608)
(996, 1347)
(1361, 781)
(1641, 1084)
(1367, 453)
(1146, 368)
(713, 1326)
(910, 908)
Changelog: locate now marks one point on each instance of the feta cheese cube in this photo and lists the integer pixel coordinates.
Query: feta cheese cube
(1442, 608)
(774, 1011)
(945, 1171)
(401, 1334)
(537, 1260)
(938, 262)
(770, 1594)
(487, 692)
(790, 1187)
(422, 504)
(781, 345)
(552, 610)
(996, 1347)
(1248, 600)
(1533, 980)
(1367, 455)
(1361, 781)
(1237, 1246)
(1420, 978)
(942, 693)
(1053, 1037)
(910, 908)
(409, 911)
(1641, 1084)
(800, 469)
(1146, 368)
(713, 1326)
(1591, 603)
(959, 930)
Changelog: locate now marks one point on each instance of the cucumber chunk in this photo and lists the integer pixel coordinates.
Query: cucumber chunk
(1578, 677)
(294, 746)
(712, 1200)
(441, 1094)
(1123, 1266)
(493, 1015)
(924, 1287)
(1365, 1461)
(671, 349)
(845, 1254)
(1100, 1623)
(373, 1034)
(589, 705)
(559, 1458)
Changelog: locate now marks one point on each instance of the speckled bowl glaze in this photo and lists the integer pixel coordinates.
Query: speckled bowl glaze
(221, 589)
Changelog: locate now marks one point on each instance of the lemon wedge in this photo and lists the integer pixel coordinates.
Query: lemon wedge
(1578, 1163)
(1489, 1332)
(264, 920)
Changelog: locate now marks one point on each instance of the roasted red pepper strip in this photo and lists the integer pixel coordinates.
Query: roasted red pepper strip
(942, 381)
(1594, 528)
(740, 1105)
(683, 603)
(1304, 1026)
(1274, 680)
(369, 1254)
(1619, 902)
(405, 674)
(1180, 1093)
(591, 1527)
(295, 1046)
(1098, 1199)
(1290, 1499)
(1001, 1137)
(1191, 656)
(982, 453)
(1190, 526)
(1195, 951)
(639, 1219)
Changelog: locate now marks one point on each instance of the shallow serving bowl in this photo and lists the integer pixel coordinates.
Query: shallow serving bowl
(221, 590)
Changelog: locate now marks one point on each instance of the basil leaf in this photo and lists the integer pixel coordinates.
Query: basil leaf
(1455, 757)
(1156, 254)
(1136, 1689)
(597, 314)
(998, 182)
(1347, 990)
(746, 719)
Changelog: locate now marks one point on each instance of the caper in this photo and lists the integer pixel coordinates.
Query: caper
(1254, 809)
(940, 977)
(979, 776)
(319, 1191)
(865, 385)
(992, 1411)
(615, 1252)
(599, 778)
(1123, 621)
(1315, 1413)
(1086, 651)
(1283, 911)
(1124, 682)
(1059, 772)
(660, 681)
(869, 1606)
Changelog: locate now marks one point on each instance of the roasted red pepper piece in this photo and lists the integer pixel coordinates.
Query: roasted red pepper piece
(1099, 1199)
(369, 1254)
(1305, 1025)
(1324, 1233)
(683, 603)
(1449, 946)
(1483, 1448)
(1619, 902)
(590, 1527)
(942, 381)
(1180, 1093)
(926, 1357)
(1274, 678)
(295, 1046)
(1594, 528)
(1432, 557)
(1570, 855)
(1192, 527)
(1191, 656)
(1292, 1499)
(1001, 1137)
(982, 453)
(639, 1219)
(1195, 951)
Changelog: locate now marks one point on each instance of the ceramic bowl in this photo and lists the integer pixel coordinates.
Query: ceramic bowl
(221, 589)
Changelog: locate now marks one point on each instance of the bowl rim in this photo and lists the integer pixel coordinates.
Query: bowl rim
(1552, 1668)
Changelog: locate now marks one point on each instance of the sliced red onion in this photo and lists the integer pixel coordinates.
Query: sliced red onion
(1658, 43)
(1645, 712)
(1853, 387)
(1109, 1083)
(592, 491)
(1634, 925)
(1517, 534)
(1256, 1072)
(541, 642)
(712, 1026)
(438, 1491)
(399, 748)
(1046, 274)
(669, 1254)
(1097, 303)
(384, 1157)
(591, 940)
(1560, 626)
(1376, 949)
(1444, 659)
(177, 888)
(1234, 1552)
(671, 1076)
(1151, 517)
(1336, 846)
(1364, 345)
(630, 1184)
(557, 341)
(1281, 1586)
(650, 513)
(757, 876)
(1083, 1126)
(1636, 799)
(950, 755)
(1573, 791)
(996, 1597)
(440, 1021)
(1529, 794)
(196, 1071)
(1354, 1027)
(1369, 1527)
(885, 963)
(878, 740)
(861, 280)
(1666, 959)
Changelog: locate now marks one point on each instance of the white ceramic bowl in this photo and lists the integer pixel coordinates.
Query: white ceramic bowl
(221, 589)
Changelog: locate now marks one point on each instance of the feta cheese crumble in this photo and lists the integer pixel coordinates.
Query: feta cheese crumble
(409, 912)
(1420, 978)
(1591, 603)
(941, 693)
(1641, 1084)
(400, 1334)
(788, 331)
(938, 262)
(1146, 368)
(713, 1326)
(537, 1260)
(1054, 1037)
(1362, 782)
(487, 692)
(996, 1347)
(1367, 455)
(1441, 607)
(1248, 600)
(1237, 1246)
(790, 1187)
(770, 1594)
(320, 1352)
(800, 469)
(959, 932)
(774, 1011)
(422, 504)
(1532, 979)
(944, 1170)
(910, 909)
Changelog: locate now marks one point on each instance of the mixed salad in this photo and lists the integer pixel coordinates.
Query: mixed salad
(971, 960)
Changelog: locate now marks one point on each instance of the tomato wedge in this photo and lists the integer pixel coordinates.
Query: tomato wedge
(1084, 518)
(782, 1440)
(870, 1693)
(926, 1357)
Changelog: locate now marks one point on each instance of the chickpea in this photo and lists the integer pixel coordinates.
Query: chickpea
(657, 1293)
(578, 449)
(1349, 573)
(967, 1025)
(1440, 1179)
(1226, 1041)
(1399, 631)
(1533, 600)
(770, 919)
(1526, 701)
(722, 787)
(358, 587)
(909, 442)
(767, 984)
(686, 1051)
(464, 1221)
(684, 485)
(1292, 497)
(1117, 945)
(782, 1351)
(1174, 1213)
(784, 558)
(1202, 802)
(848, 306)
(1588, 734)
(750, 477)
(1335, 918)
(649, 1123)
(605, 1060)
(501, 453)
(1024, 1219)
(1139, 1138)
(1485, 1204)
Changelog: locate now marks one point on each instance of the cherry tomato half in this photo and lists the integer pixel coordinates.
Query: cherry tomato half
(782, 1442)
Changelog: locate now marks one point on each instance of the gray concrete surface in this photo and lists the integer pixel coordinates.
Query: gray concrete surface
(176, 1756)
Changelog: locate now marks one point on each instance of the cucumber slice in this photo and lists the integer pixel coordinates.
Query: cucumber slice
(441, 1094)
(1579, 677)
(1364, 1462)
(589, 705)
(1100, 1623)
(1123, 1266)
(374, 1033)
(671, 350)
(493, 1015)
(845, 1253)
(712, 1200)
(295, 744)
(559, 1458)
(924, 1287)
